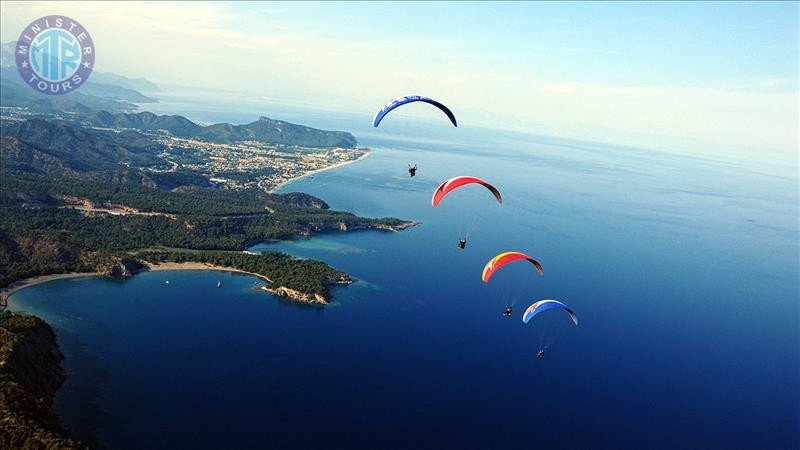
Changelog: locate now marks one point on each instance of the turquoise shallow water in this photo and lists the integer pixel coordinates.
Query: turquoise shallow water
(682, 269)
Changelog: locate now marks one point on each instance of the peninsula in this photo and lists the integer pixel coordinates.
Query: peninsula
(111, 194)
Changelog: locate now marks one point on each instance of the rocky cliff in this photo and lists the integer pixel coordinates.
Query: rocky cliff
(314, 299)
(30, 374)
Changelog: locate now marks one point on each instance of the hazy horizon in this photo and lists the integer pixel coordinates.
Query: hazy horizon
(705, 77)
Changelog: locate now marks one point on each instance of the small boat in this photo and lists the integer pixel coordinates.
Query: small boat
(219, 283)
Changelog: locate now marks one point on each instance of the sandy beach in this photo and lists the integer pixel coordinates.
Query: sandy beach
(7, 291)
(198, 266)
(291, 180)
(21, 284)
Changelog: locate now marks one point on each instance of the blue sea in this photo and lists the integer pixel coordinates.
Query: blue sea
(682, 268)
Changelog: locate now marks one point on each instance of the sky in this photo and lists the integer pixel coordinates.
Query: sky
(720, 76)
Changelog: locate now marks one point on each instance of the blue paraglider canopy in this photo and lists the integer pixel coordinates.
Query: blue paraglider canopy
(544, 305)
(410, 99)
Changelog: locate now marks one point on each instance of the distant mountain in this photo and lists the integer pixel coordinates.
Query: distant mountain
(105, 92)
(262, 130)
(55, 105)
(139, 84)
(92, 87)
(13, 92)
(105, 78)
(147, 121)
(102, 85)
(277, 132)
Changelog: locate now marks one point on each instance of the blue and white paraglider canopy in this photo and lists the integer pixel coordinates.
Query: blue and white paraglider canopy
(410, 99)
(544, 305)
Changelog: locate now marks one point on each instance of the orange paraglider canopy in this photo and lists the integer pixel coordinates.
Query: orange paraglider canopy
(504, 258)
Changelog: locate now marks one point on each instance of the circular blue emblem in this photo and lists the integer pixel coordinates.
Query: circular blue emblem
(54, 55)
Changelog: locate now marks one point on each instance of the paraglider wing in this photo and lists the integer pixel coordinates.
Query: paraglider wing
(455, 183)
(504, 258)
(410, 99)
(544, 305)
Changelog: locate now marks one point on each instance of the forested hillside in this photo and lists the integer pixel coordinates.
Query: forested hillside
(76, 199)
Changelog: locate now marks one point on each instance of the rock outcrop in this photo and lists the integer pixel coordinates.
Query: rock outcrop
(313, 299)
(30, 374)
(121, 268)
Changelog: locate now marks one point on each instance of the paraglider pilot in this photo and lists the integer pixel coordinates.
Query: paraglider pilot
(412, 170)
(462, 243)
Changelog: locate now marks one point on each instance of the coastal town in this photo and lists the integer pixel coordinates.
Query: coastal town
(250, 164)
(237, 165)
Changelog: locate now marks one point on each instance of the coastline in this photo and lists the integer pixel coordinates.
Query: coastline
(31, 372)
(165, 266)
(280, 291)
(313, 172)
(9, 290)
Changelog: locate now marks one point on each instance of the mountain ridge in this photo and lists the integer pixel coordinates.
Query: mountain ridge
(263, 129)
(140, 84)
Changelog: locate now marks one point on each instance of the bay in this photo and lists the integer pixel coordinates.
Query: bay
(682, 268)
